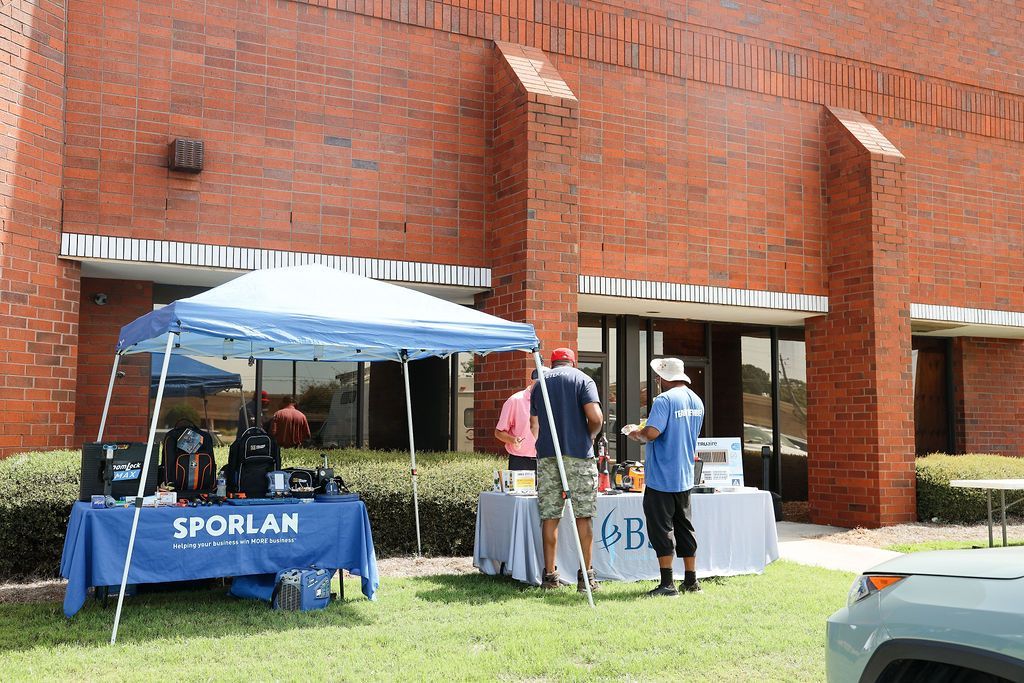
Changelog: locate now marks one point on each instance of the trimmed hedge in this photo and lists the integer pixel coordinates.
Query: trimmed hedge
(936, 499)
(37, 491)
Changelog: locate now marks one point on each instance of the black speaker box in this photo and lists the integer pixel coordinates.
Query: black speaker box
(127, 468)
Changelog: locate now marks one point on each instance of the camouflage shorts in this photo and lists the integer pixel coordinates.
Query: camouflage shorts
(582, 478)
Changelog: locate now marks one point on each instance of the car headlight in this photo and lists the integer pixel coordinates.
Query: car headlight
(870, 584)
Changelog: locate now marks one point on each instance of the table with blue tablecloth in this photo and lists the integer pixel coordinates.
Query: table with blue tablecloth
(178, 544)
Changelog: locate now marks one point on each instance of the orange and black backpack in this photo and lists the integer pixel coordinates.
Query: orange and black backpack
(189, 473)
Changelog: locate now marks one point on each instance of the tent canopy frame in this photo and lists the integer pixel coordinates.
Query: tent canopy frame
(195, 324)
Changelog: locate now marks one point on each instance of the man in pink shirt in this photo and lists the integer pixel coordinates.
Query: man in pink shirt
(513, 430)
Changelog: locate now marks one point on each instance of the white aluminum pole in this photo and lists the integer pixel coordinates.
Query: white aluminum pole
(412, 452)
(110, 390)
(142, 484)
(561, 473)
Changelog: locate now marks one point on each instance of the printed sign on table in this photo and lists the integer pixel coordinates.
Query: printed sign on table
(723, 461)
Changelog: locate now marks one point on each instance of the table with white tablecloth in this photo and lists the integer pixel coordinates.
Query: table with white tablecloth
(735, 532)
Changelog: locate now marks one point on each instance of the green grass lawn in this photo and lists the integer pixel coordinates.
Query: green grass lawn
(948, 545)
(748, 628)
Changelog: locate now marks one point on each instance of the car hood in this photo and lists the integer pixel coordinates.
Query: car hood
(984, 563)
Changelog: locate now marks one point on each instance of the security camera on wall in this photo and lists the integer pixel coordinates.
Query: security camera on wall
(100, 299)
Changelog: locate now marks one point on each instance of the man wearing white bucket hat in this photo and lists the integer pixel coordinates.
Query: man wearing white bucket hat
(671, 436)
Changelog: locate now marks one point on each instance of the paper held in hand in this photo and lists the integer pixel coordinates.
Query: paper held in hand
(630, 428)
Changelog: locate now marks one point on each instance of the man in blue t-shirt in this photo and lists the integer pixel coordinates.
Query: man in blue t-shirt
(576, 410)
(671, 436)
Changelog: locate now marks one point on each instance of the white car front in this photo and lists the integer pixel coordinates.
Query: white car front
(932, 617)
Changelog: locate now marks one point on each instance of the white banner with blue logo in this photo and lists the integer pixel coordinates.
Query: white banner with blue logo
(735, 531)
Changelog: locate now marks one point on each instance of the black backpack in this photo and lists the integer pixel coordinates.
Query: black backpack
(252, 456)
(190, 473)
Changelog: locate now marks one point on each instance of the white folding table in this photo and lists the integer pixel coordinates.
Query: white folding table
(1001, 485)
(736, 534)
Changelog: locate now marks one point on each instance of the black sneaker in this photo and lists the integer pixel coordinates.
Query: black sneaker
(550, 581)
(690, 587)
(582, 587)
(668, 591)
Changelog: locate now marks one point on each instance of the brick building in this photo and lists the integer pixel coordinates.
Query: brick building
(817, 206)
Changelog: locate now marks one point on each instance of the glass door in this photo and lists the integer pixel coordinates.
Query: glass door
(596, 367)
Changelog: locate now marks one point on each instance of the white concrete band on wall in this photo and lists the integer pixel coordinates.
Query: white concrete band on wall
(698, 294)
(134, 250)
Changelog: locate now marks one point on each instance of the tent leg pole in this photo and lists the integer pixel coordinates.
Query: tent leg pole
(561, 473)
(412, 454)
(106, 403)
(142, 485)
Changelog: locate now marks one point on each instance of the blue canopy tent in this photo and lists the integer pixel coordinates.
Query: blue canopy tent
(187, 376)
(317, 313)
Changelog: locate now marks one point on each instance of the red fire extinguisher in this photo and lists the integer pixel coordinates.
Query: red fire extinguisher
(603, 475)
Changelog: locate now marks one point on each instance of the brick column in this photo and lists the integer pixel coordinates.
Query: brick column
(860, 422)
(532, 222)
(38, 290)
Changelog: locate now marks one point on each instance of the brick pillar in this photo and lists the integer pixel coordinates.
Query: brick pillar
(860, 422)
(129, 405)
(38, 290)
(533, 227)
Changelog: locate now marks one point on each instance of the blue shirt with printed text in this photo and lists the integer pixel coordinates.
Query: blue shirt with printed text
(678, 414)
(570, 389)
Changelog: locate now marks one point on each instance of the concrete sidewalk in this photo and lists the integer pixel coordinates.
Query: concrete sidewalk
(808, 544)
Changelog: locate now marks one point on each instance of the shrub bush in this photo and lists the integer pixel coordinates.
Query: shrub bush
(936, 499)
(448, 486)
(36, 494)
(37, 491)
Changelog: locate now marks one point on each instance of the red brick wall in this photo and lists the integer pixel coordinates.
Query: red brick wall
(38, 291)
(723, 181)
(988, 374)
(324, 131)
(690, 138)
(128, 419)
(532, 221)
(379, 151)
(964, 199)
(757, 51)
(860, 412)
(970, 41)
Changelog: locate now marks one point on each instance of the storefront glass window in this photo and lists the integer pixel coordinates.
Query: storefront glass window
(645, 374)
(792, 368)
(328, 395)
(611, 421)
(588, 333)
(793, 397)
(278, 382)
(756, 374)
(464, 401)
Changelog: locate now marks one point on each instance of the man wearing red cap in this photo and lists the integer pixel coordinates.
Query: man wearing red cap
(576, 410)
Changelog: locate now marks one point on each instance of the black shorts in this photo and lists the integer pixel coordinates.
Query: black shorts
(668, 515)
(521, 462)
